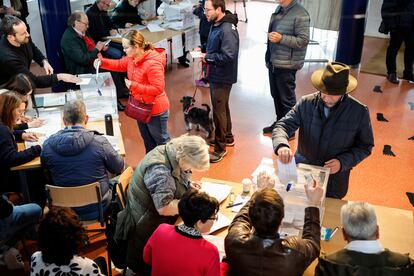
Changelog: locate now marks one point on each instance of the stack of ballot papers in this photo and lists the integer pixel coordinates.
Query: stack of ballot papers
(219, 191)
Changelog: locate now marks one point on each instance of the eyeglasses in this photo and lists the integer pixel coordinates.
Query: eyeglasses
(215, 218)
(106, 4)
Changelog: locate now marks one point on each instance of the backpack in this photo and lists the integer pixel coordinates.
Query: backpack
(117, 249)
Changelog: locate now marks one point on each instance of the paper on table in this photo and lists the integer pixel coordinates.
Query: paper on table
(287, 172)
(114, 141)
(196, 54)
(84, 81)
(221, 222)
(154, 28)
(218, 242)
(114, 36)
(242, 199)
(137, 27)
(53, 99)
(219, 191)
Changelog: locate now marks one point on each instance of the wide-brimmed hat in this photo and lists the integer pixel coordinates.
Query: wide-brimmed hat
(334, 79)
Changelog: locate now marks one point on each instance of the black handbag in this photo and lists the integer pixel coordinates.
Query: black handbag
(382, 28)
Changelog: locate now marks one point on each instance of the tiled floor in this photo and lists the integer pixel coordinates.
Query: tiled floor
(379, 179)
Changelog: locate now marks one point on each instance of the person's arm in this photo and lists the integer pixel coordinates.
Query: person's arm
(161, 185)
(38, 56)
(240, 228)
(17, 66)
(21, 126)
(300, 39)
(286, 127)
(364, 141)
(116, 65)
(9, 156)
(156, 82)
(229, 47)
(114, 162)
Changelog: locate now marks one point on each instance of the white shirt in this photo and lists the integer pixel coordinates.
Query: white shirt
(367, 247)
(79, 265)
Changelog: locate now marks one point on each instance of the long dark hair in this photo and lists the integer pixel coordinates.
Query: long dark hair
(60, 236)
(22, 84)
(9, 101)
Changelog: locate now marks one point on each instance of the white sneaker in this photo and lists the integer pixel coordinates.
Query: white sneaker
(13, 259)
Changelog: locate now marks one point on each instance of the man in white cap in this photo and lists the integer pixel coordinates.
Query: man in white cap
(335, 129)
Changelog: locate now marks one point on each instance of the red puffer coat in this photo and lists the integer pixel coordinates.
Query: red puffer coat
(147, 76)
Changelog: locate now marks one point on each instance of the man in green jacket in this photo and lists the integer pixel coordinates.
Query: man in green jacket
(79, 51)
(364, 254)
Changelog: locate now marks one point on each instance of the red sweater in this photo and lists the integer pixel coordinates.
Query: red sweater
(147, 76)
(172, 253)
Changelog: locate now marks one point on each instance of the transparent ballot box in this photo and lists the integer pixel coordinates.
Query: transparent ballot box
(99, 96)
(97, 92)
(294, 196)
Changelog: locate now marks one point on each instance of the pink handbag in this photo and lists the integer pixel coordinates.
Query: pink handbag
(138, 110)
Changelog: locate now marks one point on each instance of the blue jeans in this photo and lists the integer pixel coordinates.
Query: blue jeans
(155, 132)
(22, 217)
(113, 53)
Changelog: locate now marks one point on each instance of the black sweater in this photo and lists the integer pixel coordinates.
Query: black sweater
(10, 157)
(15, 60)
(125, 13)
(99, 23)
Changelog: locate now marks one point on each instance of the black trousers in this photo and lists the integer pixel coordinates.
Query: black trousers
(397, 37)
(220, 94)
(282, 88)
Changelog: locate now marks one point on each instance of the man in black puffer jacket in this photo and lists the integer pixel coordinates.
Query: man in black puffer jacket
(334, 128)
(221, 56)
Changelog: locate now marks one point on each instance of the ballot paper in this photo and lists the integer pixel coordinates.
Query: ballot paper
(219, 191)
(84, 81)
(287, 172)
(221, 222)
(137, 27)
(153, 28)
(114, 141)
(114, 36)
(196, 54)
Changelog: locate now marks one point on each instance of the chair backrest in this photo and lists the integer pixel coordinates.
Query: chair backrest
(123, 184)
(76, 196)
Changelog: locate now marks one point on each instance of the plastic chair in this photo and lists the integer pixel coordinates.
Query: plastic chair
(123, 183)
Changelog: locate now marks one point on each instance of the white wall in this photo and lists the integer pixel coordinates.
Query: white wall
(374, 18)
(36, 31)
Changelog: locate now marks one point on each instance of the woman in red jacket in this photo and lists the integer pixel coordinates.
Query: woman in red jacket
(145, 68)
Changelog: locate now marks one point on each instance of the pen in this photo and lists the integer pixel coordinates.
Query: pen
(235, 204)
(333, 232)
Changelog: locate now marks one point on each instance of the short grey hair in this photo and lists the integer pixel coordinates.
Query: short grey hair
(75, 16)
(359, 220)
(74, 112)
(193, 151)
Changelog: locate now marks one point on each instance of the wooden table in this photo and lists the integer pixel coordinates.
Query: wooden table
(35, 163)
(154, 37)
(396, 226)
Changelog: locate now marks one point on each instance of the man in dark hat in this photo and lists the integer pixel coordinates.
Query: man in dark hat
(335, 129)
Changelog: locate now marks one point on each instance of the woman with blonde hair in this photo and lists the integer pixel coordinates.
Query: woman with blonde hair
(158, 183)
(145, 66)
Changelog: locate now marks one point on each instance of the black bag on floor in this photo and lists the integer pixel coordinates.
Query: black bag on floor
(117, 249)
